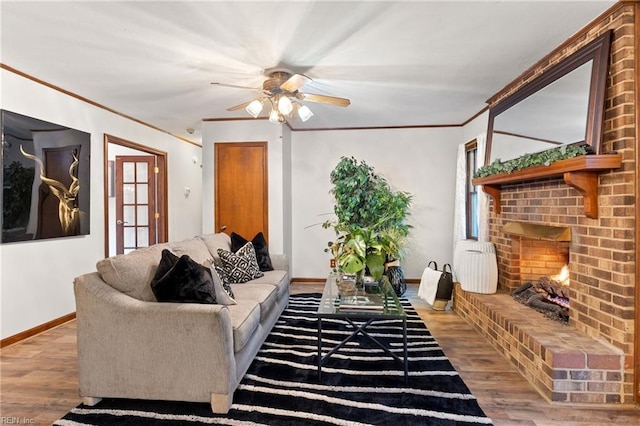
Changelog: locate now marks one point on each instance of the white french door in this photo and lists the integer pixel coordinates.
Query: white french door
(135, 190)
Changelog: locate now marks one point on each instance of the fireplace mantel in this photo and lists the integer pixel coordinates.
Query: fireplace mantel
(580, 172)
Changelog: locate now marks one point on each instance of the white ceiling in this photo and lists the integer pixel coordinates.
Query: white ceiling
(400, 63)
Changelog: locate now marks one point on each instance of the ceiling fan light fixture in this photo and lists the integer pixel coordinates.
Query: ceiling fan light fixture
(254, 108)
(284, 105)
(281, 91)
(304, 113)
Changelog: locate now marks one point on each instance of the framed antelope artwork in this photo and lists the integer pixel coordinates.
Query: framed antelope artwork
(45, 179)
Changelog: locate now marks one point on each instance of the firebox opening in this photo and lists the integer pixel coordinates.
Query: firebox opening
(540, 274)
(548, 295)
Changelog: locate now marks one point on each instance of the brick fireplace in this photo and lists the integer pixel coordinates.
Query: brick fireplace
(590, 360)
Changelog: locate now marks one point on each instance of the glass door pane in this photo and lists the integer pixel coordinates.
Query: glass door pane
(136, 221)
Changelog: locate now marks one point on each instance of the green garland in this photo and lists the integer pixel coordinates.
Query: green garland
(543, 158)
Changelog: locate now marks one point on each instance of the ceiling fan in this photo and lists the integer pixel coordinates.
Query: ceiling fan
(281, 90)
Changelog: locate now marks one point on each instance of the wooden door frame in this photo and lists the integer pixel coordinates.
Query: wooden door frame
(636, 352)
(162, 204)
(265, 201)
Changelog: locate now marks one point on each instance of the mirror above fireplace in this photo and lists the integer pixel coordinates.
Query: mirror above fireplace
(563, 106)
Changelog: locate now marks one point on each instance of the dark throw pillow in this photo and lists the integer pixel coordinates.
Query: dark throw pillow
(182, 280)
(241, 266)
(259, 245)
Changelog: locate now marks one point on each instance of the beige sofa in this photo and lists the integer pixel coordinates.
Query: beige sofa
(131, 346)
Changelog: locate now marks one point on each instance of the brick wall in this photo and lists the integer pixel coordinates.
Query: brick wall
(602, 250)
(532, 259)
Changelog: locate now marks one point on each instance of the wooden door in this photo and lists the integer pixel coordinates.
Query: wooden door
(241, 198)
(136, 215)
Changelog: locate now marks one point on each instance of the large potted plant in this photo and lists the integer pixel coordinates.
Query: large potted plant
(370, 225)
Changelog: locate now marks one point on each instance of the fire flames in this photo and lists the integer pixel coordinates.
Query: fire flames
(563, 276)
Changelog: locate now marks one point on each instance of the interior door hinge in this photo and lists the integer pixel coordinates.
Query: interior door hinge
(157, 215)
(156, 170)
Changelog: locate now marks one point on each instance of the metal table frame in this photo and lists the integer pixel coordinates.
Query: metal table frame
(368, 317)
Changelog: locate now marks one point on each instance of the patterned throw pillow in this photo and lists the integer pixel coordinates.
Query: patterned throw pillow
(221, 272)
(223, 291)
(259, 245)
(241, 266)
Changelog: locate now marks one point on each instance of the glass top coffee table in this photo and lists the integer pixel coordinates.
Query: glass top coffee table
(359, 308)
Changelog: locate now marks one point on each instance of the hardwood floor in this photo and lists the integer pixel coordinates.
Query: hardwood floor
(38, 376)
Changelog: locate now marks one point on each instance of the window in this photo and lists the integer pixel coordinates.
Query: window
(471, 156)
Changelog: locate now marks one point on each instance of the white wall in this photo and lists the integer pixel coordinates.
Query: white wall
(420, 161)
(247, 131)
(475, 127)
(36, 276)
(287, 136)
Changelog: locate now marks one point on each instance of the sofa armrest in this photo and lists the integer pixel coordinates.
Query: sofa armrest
(128, 347)
(280, 262)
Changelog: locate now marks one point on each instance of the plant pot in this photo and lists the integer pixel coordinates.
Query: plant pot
(360, 279)
(396, 279)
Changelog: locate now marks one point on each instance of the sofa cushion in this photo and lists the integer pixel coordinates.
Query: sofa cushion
(182, 280)
(245, 319)
(195, 248)
(270, 277)
(264, 294)
(260, 246)
(132, 273)
(276, 278)
(241, 266)
(215, 242)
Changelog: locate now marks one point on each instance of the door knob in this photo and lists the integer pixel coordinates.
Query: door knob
(223, 228)
(119, 222)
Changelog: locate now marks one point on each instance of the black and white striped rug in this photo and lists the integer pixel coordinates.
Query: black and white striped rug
(360, 385)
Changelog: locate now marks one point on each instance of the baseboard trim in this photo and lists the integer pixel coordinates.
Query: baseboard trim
(36, 330)
(300, 280)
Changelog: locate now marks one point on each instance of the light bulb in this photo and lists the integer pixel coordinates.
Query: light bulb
(284, 105)
(304, 113)
(254, 108)
(274, 116)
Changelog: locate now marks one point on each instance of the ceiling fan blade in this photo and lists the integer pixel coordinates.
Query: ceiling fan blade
(323, 99)
(295, 82)
(237, 107)
(235, 86)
